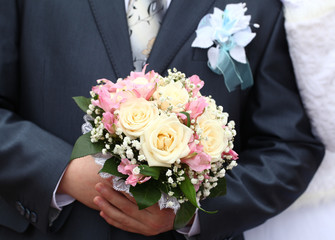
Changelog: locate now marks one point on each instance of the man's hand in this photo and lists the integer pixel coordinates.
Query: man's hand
(121, 211)
(79, 180)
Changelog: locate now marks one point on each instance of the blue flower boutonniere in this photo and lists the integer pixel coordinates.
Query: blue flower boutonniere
(226, 33)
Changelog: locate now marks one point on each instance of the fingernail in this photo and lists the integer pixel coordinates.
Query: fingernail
(97, 201)
(99, 187)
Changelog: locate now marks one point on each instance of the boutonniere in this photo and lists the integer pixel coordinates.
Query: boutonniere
(226, 33)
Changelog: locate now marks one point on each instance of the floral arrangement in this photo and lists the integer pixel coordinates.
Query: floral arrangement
(161, 138)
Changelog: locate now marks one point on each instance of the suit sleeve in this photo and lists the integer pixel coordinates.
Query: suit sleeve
(31, 159)
(279, 154)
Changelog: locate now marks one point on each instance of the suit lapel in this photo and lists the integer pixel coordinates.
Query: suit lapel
(112, 24)
(180, 22)
(182, 16)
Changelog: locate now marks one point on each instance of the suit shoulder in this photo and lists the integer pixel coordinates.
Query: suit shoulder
(266, 9)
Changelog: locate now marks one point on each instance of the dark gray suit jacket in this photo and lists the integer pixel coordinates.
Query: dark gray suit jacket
(53, 50)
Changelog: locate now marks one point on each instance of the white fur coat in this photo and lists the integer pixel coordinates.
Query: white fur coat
(310, 27)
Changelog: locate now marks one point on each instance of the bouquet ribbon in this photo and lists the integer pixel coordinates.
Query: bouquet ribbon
(234, 73)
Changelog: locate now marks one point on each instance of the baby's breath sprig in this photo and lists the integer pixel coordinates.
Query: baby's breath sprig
(175, 75)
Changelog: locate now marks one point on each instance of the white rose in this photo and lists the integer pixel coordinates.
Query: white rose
(213, 136)
(135, 115)
(211, 109)
(174, 94)
(213, 112)
(165, 141)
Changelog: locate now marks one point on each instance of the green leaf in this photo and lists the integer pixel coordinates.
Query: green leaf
(184, 215)
(110, 167)
(163, 187)
(151, 171)
(220, 189)
(188, 189)
(82, 102)
(84, 147)
(146, 194)
(188, 118)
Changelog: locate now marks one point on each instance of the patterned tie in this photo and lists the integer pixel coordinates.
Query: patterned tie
(144, 20)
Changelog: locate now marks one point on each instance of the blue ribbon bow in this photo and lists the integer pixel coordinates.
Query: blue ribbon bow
(234, 73)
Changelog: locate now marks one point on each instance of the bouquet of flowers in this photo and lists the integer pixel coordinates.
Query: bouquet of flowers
(159, 137)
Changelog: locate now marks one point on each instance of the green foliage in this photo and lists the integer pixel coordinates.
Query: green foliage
(151, 171)
(188, 189)
(110, 167)
(220, 189)
(82, 102)
(84, 147)
(146, 194)
(184, 215)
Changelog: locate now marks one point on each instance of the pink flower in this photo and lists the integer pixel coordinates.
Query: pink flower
(233, 154)
(197, 160)
(138, 84)
(142, 84)
(150, 76)
(127, 168)
(140, 87)
(104, 99)
(107, 84)
(109, 122)
(110, 96)
(196, 107)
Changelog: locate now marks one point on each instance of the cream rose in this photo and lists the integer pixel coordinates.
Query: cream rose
(135, 115)
(213, 112)
(173, 94)
(165, 141)
(213, 136)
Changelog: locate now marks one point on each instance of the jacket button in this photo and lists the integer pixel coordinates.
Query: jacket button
(20, 208)
(33, 217)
